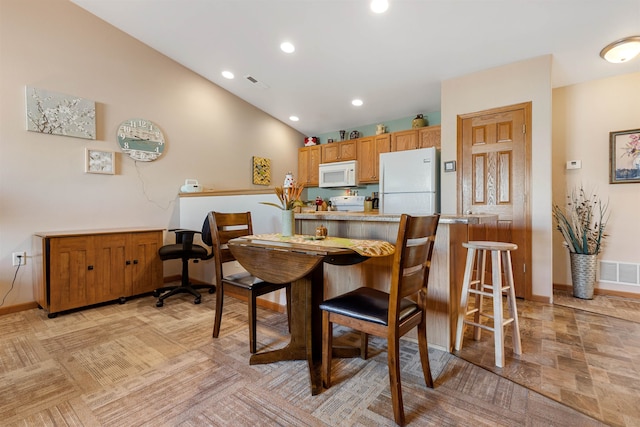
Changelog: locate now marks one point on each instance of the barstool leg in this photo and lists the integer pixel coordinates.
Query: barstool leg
(464, 295)
(511, 302)
(482, 261)
(498, 320)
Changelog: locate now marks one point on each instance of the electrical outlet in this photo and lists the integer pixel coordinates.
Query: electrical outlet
(19, 258)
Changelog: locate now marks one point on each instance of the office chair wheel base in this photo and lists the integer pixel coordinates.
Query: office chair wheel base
(212, 290)
(122, 300)
(197, 300)
(156, 293)
(159, 303)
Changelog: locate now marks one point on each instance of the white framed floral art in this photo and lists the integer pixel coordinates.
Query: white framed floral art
(624, 156)
(99, 161)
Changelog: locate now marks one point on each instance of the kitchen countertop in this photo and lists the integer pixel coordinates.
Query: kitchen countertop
(375, 216)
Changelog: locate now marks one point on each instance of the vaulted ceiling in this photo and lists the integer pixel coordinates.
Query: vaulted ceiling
(394, 62)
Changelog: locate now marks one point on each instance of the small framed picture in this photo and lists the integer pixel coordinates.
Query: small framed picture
(624, 156)
(450, 166)
(99, 161)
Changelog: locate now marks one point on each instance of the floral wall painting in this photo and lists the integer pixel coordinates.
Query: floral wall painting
(99, 161)
(624, 156)
(261, 171)
(58, 114)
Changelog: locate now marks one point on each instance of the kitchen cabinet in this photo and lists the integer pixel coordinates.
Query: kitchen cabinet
(339, 151)
(308, 163)
(404, 140)
(368, 154)
(78, 269)
(429, 136)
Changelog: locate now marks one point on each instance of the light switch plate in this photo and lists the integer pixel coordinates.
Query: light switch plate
(574, 164)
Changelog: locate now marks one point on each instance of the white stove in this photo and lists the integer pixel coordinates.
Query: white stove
(348, 203)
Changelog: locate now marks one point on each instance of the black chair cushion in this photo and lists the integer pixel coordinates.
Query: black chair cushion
(176, 251)
(367, 304)
(243, 280)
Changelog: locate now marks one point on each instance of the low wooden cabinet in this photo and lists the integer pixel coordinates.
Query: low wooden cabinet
(308, 165)
(78, 269)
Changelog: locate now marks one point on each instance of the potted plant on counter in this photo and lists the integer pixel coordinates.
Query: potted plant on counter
(582, 223)
(289, 196)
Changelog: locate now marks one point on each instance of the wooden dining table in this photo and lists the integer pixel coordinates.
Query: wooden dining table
(299, 260)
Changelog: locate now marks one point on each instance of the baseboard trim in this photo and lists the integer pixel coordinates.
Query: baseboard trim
(18, 307)
(597, 291)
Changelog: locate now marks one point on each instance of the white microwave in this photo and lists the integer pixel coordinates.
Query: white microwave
(339, 174)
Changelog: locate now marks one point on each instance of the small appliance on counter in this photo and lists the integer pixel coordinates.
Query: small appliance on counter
(348, 203)
(191, 186)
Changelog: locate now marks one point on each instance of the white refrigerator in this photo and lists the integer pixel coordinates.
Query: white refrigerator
(410, 182)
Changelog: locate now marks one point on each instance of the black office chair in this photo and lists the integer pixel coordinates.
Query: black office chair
(185, 250)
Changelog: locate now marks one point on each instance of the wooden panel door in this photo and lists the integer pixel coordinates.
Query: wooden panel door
(145, 265)
(494, 149)
(71, 273)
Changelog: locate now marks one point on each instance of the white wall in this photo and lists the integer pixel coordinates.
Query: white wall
(583, 116)
(211, 135)
(516, 83)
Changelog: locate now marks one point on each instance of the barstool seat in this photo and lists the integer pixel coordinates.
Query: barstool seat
(476, 259)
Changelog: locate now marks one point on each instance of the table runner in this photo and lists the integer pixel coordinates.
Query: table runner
(368, 248)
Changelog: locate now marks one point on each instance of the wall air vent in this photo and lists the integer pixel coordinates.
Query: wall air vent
(256, 82)
(619, 272)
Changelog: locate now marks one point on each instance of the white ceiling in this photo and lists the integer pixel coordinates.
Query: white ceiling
(394, 62)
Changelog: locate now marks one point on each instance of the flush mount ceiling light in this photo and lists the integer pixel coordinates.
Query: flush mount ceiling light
(227, 75)
(294, 118)
(379, 6)
(357, 102)
(622, 50)
(287, 47)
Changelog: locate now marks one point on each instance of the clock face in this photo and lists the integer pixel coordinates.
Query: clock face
(141, 139)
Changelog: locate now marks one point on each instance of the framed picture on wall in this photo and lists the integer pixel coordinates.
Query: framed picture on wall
(624, 156)
(261, 170)
(99, 161)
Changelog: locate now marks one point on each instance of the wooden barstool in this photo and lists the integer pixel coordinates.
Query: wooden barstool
(477, 257)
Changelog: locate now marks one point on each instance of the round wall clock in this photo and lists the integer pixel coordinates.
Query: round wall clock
(141, 139)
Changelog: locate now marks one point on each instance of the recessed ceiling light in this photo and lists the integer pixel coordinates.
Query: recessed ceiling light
(357, 102)
(379, 6)
(287, 47)
(294, 118)
(621, 50)
(227, 74)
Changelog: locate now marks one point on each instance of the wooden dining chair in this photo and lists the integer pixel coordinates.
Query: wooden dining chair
(224, 227)
(389, 315)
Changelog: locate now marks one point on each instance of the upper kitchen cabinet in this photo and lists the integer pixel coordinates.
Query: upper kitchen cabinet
(369, 149)
(308, 165)
(404, 140)
(429, 137)
(339, 151)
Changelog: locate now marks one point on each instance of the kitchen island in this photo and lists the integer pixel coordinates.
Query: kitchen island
(447, 266)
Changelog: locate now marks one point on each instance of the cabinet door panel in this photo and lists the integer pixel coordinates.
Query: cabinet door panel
(146, 266)
(72, 273)
(111, 267)
(404, 140)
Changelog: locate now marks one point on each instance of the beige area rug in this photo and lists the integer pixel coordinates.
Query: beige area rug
(622, 308)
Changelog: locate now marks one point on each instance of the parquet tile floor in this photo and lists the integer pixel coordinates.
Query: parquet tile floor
(136, 364)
